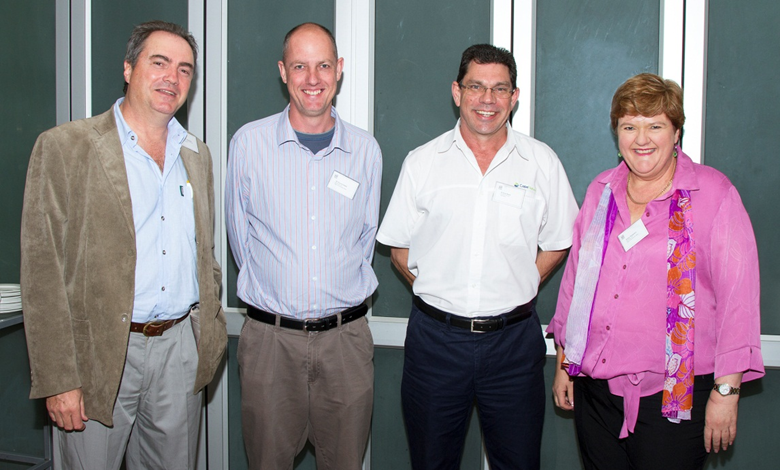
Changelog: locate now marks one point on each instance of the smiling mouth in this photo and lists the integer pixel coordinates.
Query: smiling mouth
(486, 113)
(167, 92)
(312, 92)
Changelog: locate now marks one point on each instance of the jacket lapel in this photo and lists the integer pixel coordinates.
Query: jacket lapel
(109, 152)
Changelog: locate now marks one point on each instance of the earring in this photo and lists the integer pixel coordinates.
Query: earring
(675, 153)
(620, 155)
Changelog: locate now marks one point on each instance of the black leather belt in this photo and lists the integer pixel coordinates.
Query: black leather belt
(312, 324)
(478, 324)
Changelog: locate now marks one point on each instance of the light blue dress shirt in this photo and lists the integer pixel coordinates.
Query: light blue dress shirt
(166, 275)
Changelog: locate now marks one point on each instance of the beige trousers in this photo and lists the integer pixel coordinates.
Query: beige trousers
(156, 415)
(298, 386)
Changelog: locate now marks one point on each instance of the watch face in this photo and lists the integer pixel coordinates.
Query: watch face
(724, 389)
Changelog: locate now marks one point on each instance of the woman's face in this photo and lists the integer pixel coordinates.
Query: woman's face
(647, 144)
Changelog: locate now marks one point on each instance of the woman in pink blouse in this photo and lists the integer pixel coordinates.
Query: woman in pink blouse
(657, 322)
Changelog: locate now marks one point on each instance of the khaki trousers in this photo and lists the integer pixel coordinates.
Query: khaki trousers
(156, 415)
(298, 386)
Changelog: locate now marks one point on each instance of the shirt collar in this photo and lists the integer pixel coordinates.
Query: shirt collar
(285, 133)
(455, 136)
(176, 132)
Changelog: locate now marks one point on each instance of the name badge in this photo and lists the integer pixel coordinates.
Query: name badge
(633, 234)
(190, 143)
(509, 194)
(343, 185)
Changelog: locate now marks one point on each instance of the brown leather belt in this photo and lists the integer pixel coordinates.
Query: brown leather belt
(155, 328)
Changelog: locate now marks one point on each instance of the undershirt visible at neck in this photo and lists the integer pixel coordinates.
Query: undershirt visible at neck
(315, 142)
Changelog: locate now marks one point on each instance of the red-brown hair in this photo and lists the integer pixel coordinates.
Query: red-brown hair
(647, 94)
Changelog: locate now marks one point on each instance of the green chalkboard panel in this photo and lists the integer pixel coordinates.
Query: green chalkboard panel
(112, 23)
(21, 419)
(418, 50)
(584, 51)
(741, 121)
(256, 30)
(27, 102)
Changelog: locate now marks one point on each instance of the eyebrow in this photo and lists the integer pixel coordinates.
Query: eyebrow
(167, 59)
(480, 82)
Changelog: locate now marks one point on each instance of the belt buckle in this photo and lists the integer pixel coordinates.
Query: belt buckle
(313, 324)
(479, 321)
(153, 324)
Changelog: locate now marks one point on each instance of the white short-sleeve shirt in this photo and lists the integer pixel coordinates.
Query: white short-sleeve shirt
(473, 238)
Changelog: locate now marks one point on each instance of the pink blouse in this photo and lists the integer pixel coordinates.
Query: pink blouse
(627, 332)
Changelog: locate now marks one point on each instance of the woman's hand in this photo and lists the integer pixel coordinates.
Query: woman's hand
(563, 386)
(720, 419)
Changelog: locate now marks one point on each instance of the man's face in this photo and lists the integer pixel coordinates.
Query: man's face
(483, 114)
(161, 77)
(311, 71)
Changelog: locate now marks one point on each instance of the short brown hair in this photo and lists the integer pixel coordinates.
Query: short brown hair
(647, 94)
(142, 32)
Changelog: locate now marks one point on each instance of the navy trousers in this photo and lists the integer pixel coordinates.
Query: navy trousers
(447, 369)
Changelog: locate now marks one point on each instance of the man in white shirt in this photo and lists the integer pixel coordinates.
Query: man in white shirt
(479, 217)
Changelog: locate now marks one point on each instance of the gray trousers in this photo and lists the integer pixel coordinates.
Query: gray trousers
(298, 386)
(156, 415)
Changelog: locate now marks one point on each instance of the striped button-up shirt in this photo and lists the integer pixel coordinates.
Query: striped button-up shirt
(302, 226)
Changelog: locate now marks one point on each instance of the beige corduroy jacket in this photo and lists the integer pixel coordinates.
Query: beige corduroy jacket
(78, 263)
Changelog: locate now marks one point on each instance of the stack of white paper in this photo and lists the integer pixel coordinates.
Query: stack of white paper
(10, 298)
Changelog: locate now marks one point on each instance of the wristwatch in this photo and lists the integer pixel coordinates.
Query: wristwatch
(726, 389)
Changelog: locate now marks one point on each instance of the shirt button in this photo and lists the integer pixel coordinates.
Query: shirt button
(162, 217)
(314, 306)
(164, 252)
(314, 278)
(163, 288)
(132, 137)
(647, 213)
(313, 247)
(603, 361)
(616, 296)
(313, 188)
(124, 318)
(607, 327)
(624, 266)
(313, 217)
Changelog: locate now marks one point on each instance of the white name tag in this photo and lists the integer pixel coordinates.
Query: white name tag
(509, 194)
(343, 185)
(190, 143)
(633, 234)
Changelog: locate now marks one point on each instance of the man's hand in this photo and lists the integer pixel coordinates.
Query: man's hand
(400, 257)
(67, 410)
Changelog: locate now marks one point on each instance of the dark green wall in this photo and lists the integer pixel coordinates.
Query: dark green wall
(27, 108)
(743, 92)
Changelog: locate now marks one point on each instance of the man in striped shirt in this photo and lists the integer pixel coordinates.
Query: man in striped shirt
(302, 205)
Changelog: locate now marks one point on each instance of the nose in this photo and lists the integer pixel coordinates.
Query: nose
(312, 78)
(642, 136)
(488, 96)
(171, 76)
